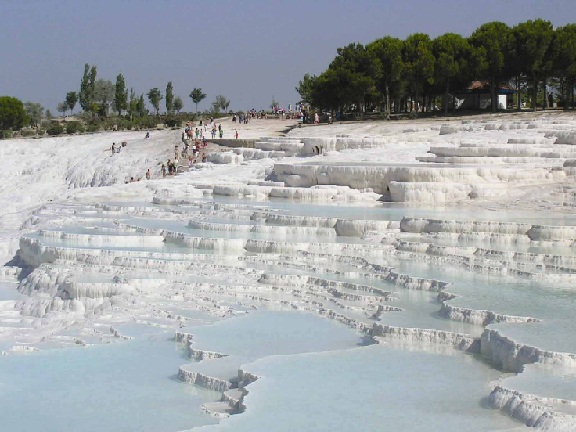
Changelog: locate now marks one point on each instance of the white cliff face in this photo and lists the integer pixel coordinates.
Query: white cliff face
(308, 223)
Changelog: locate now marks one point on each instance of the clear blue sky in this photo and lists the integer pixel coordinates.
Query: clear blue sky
(246, 50)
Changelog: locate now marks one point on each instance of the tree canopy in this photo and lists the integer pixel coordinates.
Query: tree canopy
(120, 95)
(386, 53)
(103, 97)
(87, 88)
(12, 113)
(564, 58)
(453, 63)
(71, 100)
(533, 42)
(178, 104)
(393, 74)
(197, 96)
(220, 103)
(155, 96)
(306, 88)
(35, 112)
(494, 41)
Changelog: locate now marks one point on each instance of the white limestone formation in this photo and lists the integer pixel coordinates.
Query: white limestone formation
(512, 356)
(530, 410)
(307, 223)
(418, 336)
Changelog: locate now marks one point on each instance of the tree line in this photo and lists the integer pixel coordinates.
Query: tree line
(397, 75)
(98, 96)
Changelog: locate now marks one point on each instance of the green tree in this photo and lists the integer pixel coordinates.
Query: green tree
(221, 103)
(87, 88)
(534, 43)
(178, 104)
(120, 95)
(103, 96)
(419, 64)
(132, 104)
(34, 111)
(328, 91)
(12, 113)
(388, 66)
(494, 40)
(141, 106)
(354, 65)
(453, 55)
(197, 96)
(71, 100)
(62, 107)
(564, 60)
(169, 98)
(154, 96)
(225, 104)
(306, 88)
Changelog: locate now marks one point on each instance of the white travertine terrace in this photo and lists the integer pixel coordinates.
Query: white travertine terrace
(425, 234)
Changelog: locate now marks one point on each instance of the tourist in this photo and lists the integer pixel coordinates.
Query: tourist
(316, 119)
(236, 134)
(148, 174)
(163, 170)
(147, 135)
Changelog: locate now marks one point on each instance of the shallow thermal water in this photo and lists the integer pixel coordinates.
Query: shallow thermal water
(371, 388)
(404, 386)
(119, 387)
(502, 294)
(395, 211)
(264, 333)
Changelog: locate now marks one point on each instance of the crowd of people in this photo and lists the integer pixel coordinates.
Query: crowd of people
(194, 149)
(195, 143)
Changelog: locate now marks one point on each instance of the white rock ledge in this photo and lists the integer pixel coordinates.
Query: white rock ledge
(530, 410)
